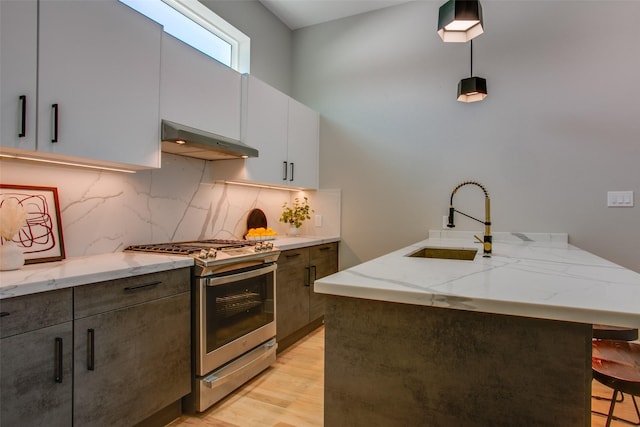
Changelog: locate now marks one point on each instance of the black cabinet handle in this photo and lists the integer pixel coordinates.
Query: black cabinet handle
(4, 313)
(23, 116)
(58, 359)
(54, 108)
(293, 255)
(90, 349)
(308, 281)
(325, 248)
(291, 179)
(315, 273)
(284, 171)
(138, 287)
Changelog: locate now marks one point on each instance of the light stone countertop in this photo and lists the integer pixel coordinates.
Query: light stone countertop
(34, 278)
(530, 274)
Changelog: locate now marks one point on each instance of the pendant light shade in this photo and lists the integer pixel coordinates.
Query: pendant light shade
(460, 20)
(472, 89)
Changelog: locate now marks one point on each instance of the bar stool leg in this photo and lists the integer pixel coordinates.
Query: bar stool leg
(613, 404)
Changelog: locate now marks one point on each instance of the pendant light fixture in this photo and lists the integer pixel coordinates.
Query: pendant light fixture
(460, 21)
(472, 89)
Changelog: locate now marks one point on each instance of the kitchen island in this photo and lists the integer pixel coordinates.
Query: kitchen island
(504, 340)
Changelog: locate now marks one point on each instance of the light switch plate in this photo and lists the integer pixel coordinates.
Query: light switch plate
(620, 199)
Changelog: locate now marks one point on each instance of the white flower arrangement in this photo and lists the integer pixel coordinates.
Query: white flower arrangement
(12, 218)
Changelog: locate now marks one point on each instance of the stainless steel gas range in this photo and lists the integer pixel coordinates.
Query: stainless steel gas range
(233, 313)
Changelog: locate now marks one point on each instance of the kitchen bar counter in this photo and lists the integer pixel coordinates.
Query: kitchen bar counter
(536, 275)
(494, 341)
(41, 277)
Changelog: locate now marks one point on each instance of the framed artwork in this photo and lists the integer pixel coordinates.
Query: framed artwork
(41, 236)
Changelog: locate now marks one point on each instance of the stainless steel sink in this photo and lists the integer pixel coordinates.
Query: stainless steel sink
(445, 253)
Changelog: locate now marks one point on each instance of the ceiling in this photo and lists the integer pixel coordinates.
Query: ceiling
(303, 13)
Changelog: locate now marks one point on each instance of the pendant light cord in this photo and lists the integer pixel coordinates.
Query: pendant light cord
(471, 62)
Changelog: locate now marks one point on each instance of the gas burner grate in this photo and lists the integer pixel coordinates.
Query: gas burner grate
(189, 248)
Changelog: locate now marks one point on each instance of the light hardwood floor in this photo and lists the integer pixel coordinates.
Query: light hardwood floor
(290, 394)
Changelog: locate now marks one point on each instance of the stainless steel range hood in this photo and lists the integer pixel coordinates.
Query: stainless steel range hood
(190, 142)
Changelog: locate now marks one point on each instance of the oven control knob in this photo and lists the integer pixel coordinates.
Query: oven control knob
(259, 247)
(212, 253)
(203, 254)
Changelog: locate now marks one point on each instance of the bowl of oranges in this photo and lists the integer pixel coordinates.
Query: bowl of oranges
(261, 233)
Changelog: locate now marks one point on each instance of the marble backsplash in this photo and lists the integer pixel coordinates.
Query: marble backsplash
(103, 212)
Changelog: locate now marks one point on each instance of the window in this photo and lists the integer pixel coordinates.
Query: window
(197, 25)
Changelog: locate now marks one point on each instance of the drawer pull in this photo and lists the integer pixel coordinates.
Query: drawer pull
(23, 116)
(90, 349)
(58, 359)
(4, 313)
(146, 285)
(284, 171)
(293, 255)
(54, 108)
(311, 278)
(325, 248)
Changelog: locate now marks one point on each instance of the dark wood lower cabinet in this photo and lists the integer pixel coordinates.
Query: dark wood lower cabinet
(111, 353)
(132, 361)
(36, 391)
(298, 308)
(36, 354)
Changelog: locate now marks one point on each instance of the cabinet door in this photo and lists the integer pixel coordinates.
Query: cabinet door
(131, 362)
(18, 55)
(302, 145)
(324, 261)
(36, 380)
(199, 91)
(265, 117)
(292, 292)
(99, 62)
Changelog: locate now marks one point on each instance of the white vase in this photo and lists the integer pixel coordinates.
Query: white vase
(11, 256)
(293, 231)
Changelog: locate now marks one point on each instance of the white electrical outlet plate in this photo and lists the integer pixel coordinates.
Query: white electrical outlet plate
(620, 199)
(445, 221)
(318, 220)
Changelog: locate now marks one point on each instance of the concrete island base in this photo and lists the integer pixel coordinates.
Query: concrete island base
(390, 364)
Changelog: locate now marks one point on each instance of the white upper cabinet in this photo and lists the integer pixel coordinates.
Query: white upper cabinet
(18, 79)
(99, 73)
(284, 131)
(265, 128)
(198, 91)
(98, 82)
(302, 145)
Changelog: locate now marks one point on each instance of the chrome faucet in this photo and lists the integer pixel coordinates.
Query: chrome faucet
(487, 242)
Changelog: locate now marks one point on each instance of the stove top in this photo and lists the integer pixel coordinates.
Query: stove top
(215, 254)
(189, 248)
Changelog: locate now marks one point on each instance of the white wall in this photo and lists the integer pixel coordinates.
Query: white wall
(270, 39)
(558, 130)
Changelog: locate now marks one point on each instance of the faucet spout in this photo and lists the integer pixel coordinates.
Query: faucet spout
(488, 240)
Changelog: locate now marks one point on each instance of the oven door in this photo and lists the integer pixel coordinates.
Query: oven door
(236, 313)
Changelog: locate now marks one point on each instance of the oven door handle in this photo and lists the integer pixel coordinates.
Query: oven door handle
(267, 350)
(215, 281)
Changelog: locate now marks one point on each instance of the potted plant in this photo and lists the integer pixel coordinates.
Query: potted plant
(295, 215)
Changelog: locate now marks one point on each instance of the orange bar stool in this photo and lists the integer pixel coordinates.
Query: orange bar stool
(616, 364)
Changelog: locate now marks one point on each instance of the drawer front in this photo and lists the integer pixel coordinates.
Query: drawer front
(326, 250)
(293, 257)
(30, 312)
(114, 294)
